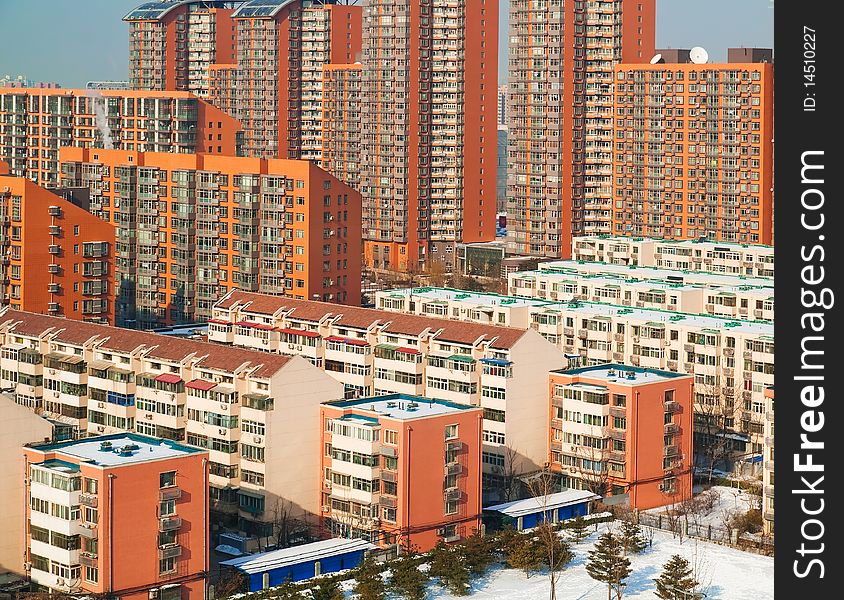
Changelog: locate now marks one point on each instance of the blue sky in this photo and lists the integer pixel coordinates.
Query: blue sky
(74, 41)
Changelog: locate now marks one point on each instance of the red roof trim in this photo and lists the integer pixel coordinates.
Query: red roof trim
(219, 322)
(169, 378)
(200, 384)
(342, 340)
(311, 334)
(255, 325)
(405, 350)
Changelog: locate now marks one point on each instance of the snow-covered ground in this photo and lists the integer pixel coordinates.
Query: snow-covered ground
(728, 501)
(728, 574)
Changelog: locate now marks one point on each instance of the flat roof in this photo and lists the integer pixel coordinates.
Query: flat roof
(139, 449)
(529, 506)
(402, 406)
(634, 272)
(636, 239)
(276, 559)
(623, 374)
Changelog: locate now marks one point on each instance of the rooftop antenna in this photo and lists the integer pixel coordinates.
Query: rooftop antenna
(698, 55)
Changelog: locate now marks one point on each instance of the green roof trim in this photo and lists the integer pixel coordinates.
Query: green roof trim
(461, 358)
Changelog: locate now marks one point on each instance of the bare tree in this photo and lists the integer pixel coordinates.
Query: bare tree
(717, 410)
(507, 480)
(595, 480)
(556, 551)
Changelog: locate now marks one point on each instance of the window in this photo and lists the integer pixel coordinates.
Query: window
(391, 437)
(92, 574)
(167, 479)
(450, 432)
(166, 565)
(166, 508)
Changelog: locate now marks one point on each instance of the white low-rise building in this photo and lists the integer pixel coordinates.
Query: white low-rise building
(687, 255)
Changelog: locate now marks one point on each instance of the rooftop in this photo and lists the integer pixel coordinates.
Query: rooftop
(622, 374)
(153, 11)
(402, 406)
(529, 506)
(561, 268)
(261, 8)
(165, 347)
(117, 450)
(266, 561)
(701, 242)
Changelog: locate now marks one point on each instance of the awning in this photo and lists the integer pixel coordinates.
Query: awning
(302, 332)
(100, 365)
(263, 326)
(496, 361)
(169, 378)
(219, 322)
(71, 359)
(461, 358)
(405, 350)
(342, 340)
(200, 384)
(386, 347)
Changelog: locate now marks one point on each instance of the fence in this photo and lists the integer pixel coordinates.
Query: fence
(681, 526)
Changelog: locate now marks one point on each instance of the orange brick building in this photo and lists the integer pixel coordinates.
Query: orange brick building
(617, 429)
(400, 469)
(694, 150)
(121, 515)
(428, 130)
(560, 116)
(55, 257)
(192, 227)
(36, 122)
(341, 106)
(172, 43)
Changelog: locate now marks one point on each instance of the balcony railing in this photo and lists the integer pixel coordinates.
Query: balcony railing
(169, 523)
(669, 451)
(453, 469)
(671, 428)
(88, 500)
(170, 493)
(169, 551)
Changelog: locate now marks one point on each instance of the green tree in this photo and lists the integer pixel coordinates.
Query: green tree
(369, 584)
(526, 554)
(608, 564)
(477, 553)
(677, 575)
(327, 589)
(577, 529)
(631, 537)
(448, 564)
(407, 580)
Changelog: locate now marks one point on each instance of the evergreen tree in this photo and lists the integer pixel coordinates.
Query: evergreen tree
(526, 554)
(677, 574)
(608, 564)
(577, 529)
(631, 537)
(327, 589)
(476, 551)
(407, 580)
(449, 565)
(288, 590)
(369, 585)
(440, 560)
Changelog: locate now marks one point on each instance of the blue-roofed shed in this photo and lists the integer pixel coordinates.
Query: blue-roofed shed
(526, 514)
(297, 563)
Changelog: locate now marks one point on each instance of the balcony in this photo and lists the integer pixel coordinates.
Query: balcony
(88, 559)
(169, 551)
(170, 493)
(88, 530)
(453, 493)
(169, 523)
(88, 500)
(672, 406)
(453, 469)
(454, 446)
(670, 451)
(671, 428)
(388, 502)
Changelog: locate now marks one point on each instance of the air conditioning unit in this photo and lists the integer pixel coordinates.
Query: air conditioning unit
(153, 593)
(441, 531)
(326, 508)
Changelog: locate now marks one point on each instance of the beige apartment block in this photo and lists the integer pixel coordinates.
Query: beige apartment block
(375, 352)
(19, 426)
(683, 255)
(732, 360)
(768, 464)
(257, 413)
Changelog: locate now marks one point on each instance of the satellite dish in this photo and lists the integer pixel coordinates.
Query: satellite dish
(657, 59)
(698, 55)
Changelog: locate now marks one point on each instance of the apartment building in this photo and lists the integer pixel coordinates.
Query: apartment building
(428, 122)
(18, 426)
(375, 352)
(502, 105)
(281, 48)
(341, 110)
(122, 514)
(732, 360)
(516, 310)
(539, 283)
(173, 43)
(234, 402)
(401, 469)
(768, 465)
(623, 430)
(192, 227)
(221, 78)
(560, 115)
(35, 123)
(694, 151)
(55, 256)
(748, 260)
